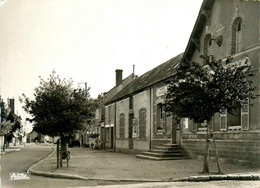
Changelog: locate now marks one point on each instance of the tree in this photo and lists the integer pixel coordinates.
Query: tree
(57, 108)
(9, 123)
(199, 90)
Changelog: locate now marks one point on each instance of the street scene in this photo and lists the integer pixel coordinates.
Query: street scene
(130, 93)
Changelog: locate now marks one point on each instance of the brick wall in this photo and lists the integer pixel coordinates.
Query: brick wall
(242, 148)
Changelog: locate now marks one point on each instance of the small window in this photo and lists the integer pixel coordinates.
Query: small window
(239, 26)
(207, 45)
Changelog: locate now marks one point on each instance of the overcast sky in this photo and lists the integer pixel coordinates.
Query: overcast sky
(87, 40)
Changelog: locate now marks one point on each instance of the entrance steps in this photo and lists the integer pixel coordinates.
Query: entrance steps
(165, 152)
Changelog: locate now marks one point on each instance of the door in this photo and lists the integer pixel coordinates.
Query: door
(130, 131)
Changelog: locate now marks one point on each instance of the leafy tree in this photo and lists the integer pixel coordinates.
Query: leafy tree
(9, 123)
(57, 108)
(199, 90)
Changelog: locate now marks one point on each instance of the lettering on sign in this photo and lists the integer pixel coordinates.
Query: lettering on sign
(161, 91)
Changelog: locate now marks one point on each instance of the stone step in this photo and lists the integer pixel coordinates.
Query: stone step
(163, 154)
(168, 148)
(166, 151)
(160, 158)
(172, 145)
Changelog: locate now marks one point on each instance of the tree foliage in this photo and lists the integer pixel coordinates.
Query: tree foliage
(9, 122)
(57, 108)
(199, 90)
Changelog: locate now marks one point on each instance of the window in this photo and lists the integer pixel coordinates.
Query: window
(207, 45)
(236, 45)
(142, 123)
(160, 117)
(234, 118)
(121, 125)
(238, 119)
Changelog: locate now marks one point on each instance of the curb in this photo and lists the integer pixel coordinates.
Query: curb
(31, 168)
(241, 177)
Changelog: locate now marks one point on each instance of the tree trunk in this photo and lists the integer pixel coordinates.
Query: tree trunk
(217, 159)
(61, 149)
(206, 155)
(67, 157)
(4, 143)
(58, 152)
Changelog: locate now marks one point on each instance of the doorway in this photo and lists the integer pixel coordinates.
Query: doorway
(130, 131)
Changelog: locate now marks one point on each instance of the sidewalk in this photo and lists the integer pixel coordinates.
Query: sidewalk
(92, 164)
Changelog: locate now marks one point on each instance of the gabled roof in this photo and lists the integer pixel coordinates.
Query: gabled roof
(198, 29)
(158, 74)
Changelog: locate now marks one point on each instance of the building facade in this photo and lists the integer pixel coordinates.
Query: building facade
(137, 112)
(223, 29)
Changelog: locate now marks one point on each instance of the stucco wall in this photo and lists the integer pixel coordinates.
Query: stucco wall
(121, 144)
(141, 145)
(142, 100)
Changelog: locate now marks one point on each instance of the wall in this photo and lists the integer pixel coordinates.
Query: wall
(122, 107)
(142, 101)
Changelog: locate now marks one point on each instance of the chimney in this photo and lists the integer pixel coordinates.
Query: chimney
(119, 76)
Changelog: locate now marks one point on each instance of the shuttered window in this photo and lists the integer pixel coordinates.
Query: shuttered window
(142, 123)
(121, 125)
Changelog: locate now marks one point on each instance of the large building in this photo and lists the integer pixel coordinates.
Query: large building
(227, 28)
(137, 112)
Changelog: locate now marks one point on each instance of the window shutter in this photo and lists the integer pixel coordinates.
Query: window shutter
(223, 120)
(142, 123)
(245, 116)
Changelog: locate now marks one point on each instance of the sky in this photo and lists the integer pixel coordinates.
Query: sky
(87, 40)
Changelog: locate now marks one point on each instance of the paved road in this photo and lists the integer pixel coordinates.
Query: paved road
(20, 161)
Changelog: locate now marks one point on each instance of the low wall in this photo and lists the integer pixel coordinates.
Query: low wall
(241, 147)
